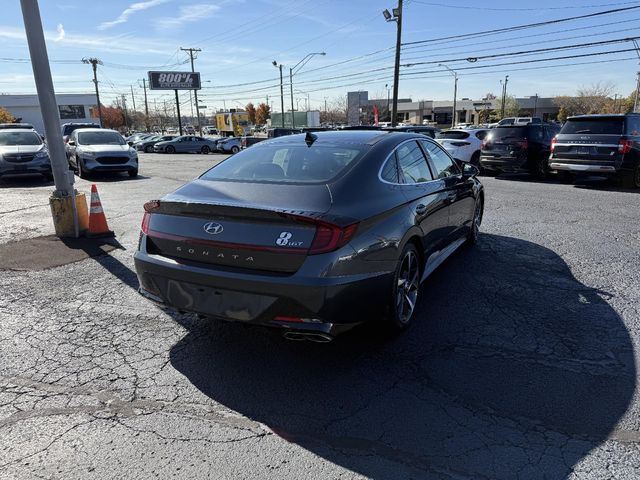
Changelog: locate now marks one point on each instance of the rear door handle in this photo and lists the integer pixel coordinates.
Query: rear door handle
(421, 209)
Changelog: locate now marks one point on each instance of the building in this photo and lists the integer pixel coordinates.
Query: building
(71, 107)
(360, 110)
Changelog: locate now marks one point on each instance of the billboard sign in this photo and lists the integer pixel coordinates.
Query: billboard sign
(174, 80)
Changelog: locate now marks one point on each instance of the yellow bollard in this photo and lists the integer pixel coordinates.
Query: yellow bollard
(62, 213)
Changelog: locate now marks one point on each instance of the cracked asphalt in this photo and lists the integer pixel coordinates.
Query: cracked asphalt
(522, 364)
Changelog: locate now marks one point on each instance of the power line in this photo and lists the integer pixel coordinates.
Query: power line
(525, 26)
(509, 9)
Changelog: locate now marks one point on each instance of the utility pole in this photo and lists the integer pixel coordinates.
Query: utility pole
(178, 112)
(195, 92)
(635, 103)
(397, 17)
(133, 99)
(293, 112)
(279, 66)
(146, 105)
(124, 108)
(535, 107)
(504, 95)
(94, 64)
(47, 99)
(386, 85)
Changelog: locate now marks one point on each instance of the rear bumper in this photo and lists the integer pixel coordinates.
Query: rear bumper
(333, 303)
(505, 164)
(582, 168)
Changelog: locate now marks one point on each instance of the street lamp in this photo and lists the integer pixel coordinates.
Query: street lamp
(455, 92)
(396, 17)
(275, 64)
(302, 63)
(386, 85)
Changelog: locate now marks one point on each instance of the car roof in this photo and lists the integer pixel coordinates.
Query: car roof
(350, 137)
(20, 130)
(98, 130)
(604, 115)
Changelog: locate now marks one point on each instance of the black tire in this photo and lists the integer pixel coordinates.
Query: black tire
(566, 177)
(475, 159)
(170, 149)
(82, 173)
(205, 150)
(148, 149)
(474, 234)
(133, 173)
(405, 290)
(235, 149)
(541, 170)
(48, 177)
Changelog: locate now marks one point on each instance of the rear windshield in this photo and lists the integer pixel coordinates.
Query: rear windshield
(454, 134)
(507, 133)
(600, 126)
(100, 138)
(287, 163)
(19, 138)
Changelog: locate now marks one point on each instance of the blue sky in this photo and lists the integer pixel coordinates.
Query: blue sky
(240, 38)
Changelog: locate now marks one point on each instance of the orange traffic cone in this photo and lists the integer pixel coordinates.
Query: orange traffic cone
(97, 221)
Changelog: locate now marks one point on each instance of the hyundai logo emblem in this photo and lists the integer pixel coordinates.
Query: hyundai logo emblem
(213, 228)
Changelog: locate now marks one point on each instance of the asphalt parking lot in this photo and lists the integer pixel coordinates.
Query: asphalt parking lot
(523, 363)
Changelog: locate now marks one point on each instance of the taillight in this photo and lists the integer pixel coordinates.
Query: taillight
(624, 146)
(328, 237)
(149, 207)
(145, 223)
(331, 237)
(554, 140)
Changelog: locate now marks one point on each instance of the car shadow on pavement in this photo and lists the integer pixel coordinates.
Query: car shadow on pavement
(513, 368)
(29, 181)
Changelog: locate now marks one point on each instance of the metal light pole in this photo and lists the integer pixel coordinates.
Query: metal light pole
(275, 64)
(386, 85)
(455, 92)
(535, 107)
(504, 95)
(635, 103)
(397, 17)
(302, 63)
(50, 115)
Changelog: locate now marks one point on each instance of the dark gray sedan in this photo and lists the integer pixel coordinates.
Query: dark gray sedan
(312, 233)
(184, 144)
(146, 144)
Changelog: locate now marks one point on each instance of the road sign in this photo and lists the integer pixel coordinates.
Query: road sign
(174, 80)
(202, 107)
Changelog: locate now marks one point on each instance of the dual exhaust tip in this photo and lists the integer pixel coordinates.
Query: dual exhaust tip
(310, 336)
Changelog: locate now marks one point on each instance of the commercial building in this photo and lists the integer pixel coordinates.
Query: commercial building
(71, 107)
(360, 110)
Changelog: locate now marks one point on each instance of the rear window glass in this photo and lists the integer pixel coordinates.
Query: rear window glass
(287, 163)
(602, 126)
(453, 134)
(69, 129)
(19, 138)
(507, 133)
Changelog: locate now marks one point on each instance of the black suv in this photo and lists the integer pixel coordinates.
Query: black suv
(518, 148)
(606, 145)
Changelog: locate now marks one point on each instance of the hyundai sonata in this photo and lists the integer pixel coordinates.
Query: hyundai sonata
(311, 233)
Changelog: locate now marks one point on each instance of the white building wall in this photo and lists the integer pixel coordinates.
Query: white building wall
(27, 108)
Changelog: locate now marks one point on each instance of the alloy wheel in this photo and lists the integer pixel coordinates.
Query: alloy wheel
(407, 288)
(477, 220)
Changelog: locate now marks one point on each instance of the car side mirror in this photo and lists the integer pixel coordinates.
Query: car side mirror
(130, 144)
(469, 170)
(71, 143)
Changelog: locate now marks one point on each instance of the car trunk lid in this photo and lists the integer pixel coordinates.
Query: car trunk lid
(252, 226)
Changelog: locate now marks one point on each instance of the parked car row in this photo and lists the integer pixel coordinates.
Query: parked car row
(603, 145)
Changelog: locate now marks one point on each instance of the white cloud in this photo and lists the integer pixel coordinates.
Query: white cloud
(103, 43)
(61, 34)
(130, 10)
(191, 13)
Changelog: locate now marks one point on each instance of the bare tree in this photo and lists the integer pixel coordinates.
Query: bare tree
(593, 99)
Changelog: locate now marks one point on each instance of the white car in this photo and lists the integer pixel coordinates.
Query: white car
(463, 144)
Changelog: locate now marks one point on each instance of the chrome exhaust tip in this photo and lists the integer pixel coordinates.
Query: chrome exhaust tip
(318, 337)
(312, 337)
